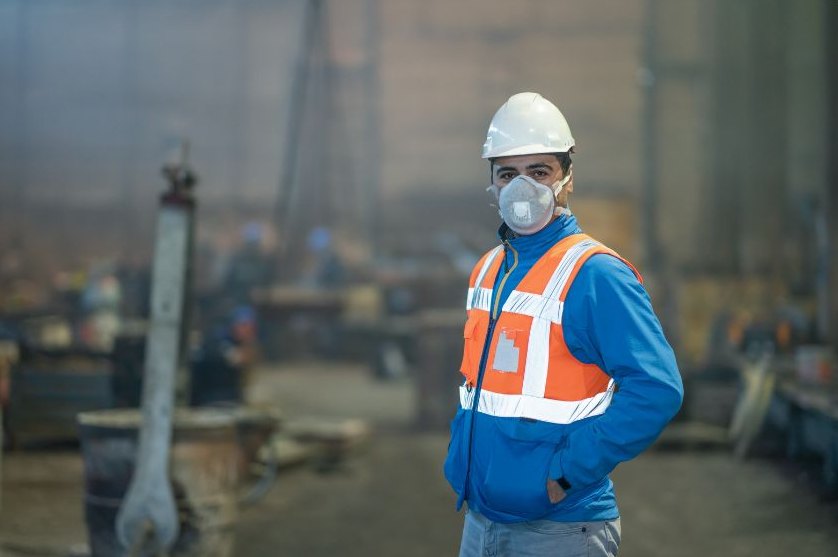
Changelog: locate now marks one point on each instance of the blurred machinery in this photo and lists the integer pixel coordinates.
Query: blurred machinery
(765, 385)
(167, 477)
(147, 515)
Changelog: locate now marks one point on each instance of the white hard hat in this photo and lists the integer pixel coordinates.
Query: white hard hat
(527, 124)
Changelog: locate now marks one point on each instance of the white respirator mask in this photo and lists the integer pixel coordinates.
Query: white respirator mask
(525, 205)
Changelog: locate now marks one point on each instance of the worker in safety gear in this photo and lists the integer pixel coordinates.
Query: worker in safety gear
(567, 371)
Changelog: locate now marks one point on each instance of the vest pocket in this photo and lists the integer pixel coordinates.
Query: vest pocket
(455, 462)
(471, 350)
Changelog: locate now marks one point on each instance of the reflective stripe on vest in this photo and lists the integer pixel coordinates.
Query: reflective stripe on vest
(530, 372)
(481, 297)
(545, 409)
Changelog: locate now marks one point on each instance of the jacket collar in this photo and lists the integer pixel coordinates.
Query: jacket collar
(535, 245)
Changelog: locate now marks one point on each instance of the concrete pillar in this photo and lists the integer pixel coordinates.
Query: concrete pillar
(730, 96)
(831, 20)
(766, 142)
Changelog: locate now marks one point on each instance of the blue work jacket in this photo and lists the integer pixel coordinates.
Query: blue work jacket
(609, 322)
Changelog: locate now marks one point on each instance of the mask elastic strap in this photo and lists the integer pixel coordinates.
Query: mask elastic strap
(561, 184)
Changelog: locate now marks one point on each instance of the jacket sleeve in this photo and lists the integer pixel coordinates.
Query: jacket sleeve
(617, 330)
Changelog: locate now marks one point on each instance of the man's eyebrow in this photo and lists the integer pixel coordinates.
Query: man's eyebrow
(539, 165)
(505, 168)
(533, 166)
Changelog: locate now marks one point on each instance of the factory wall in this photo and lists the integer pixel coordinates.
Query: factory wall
(98, 95)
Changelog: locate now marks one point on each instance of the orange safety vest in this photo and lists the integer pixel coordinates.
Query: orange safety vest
(530, 372)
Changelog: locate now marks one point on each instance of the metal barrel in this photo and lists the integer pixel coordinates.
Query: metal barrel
(205, 469)
(440, 341)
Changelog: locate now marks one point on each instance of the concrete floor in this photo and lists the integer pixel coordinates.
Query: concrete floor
(392, 500)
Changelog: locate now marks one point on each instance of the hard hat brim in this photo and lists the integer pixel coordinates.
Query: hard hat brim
(531, 149)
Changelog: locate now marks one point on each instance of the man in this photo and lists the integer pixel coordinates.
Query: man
(567, 371)
(220, 368)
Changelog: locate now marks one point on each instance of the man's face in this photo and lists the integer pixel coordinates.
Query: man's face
(543, 168)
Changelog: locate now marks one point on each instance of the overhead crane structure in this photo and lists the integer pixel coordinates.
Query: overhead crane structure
(316, 137)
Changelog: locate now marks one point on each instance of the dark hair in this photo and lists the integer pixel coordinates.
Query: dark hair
(564, 161)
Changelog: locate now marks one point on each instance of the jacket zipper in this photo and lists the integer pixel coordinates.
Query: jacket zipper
(493, 316)
(496, 303)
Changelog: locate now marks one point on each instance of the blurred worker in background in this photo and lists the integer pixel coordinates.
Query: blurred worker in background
(322, 267)
(567, 371)
(101, 302)
(251, 267)
(220, 368)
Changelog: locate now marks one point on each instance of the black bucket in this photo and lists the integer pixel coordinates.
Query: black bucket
(205, 469)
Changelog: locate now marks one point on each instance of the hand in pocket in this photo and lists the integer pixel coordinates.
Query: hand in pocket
(555, 491)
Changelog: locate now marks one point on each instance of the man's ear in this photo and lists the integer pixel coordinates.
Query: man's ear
(569, 186)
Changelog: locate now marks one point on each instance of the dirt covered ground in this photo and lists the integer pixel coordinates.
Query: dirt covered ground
(391, 498)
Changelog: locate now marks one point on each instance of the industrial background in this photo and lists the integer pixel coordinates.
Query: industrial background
(340, 207)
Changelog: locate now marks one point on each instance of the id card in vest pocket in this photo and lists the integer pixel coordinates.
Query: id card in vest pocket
(507, 354)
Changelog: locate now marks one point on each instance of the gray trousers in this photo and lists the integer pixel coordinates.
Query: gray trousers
(484, 538)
